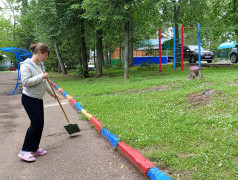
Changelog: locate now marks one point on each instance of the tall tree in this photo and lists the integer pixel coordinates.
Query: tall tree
(6, 34)
(92, 13)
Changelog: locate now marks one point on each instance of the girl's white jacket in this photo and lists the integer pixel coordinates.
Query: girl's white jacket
(33, 83)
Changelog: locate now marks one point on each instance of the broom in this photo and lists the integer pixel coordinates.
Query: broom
(70, 128)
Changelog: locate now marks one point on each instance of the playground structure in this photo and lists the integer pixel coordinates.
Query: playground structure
(19, 54)
(179, 42)
(224, 49)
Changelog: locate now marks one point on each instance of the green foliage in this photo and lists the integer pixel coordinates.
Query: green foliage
(6, 32)
(145, 67)
(120, 63)
(4, 68)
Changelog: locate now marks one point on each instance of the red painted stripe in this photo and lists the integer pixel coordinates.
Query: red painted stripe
(54, 84)
(72, 101)
(182, 48)
(61, 90)
(160, 50)
(97, 124)
(135, 157)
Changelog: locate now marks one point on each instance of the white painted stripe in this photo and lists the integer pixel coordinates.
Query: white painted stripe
(56, 103)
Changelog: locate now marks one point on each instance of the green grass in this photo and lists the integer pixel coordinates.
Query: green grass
(182, 138)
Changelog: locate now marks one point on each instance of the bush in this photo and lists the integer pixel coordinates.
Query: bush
(4, 68)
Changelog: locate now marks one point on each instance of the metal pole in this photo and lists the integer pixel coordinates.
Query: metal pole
(174, 48)
(181, 47)
(199, 46)
(160, 67)
(225, 54)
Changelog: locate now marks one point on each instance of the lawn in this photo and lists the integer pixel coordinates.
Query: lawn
(166, 117)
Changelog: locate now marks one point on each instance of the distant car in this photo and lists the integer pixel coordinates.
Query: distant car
(190, 53)
(234, 55)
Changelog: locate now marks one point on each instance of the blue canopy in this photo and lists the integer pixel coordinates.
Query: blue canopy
(227, 45)
(19, 53)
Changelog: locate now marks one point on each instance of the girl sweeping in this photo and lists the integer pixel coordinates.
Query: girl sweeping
(34, 81)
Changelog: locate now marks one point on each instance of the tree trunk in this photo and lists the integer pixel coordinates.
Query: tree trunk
(94, 55)
(194, 72)
(59, 68)
(80, 70)
(61, 63)
(120, 51)
(126, 51)
(84, 50)
(106, 55)
(99, 48)
(131, 61)
(121, 55)
(110, 57)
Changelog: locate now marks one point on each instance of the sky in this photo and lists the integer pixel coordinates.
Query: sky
(7, 14)
(3, 12)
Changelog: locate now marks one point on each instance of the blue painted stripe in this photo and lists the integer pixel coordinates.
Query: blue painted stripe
(57, 87)
(113, 139)
(64, 93)
(155, 174)
(78, 106)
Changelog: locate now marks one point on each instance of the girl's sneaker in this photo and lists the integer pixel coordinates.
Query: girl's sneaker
(39, 152)
(28, 156)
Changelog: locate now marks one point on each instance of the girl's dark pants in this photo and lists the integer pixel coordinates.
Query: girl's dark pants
(35, 110)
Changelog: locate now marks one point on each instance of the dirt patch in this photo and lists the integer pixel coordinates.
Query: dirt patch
(186, 155)
(209, 83)
(203, 98)
(157, 88)
(232, 83)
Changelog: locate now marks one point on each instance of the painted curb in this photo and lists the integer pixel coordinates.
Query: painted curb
(134, 156)
(54, 84)
(78, 106)
(65, 93)
(112, 138)
(72, 101)
(155, 174)
(61, 90)
(97, 124)
(85, 113)
(68, 97)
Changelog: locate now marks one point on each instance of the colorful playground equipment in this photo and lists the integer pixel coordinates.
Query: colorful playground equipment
(178, 52)
(180, 42)
(224, 49)
(19, 54)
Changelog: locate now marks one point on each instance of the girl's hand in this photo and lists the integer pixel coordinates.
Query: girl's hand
(58, 96)
(44, 75)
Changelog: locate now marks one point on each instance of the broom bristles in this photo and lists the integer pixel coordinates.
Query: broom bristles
(72, 128)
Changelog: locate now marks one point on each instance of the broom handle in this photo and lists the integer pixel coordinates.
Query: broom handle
(58, 101)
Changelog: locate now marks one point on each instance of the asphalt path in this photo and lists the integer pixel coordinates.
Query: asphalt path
(84, 156)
